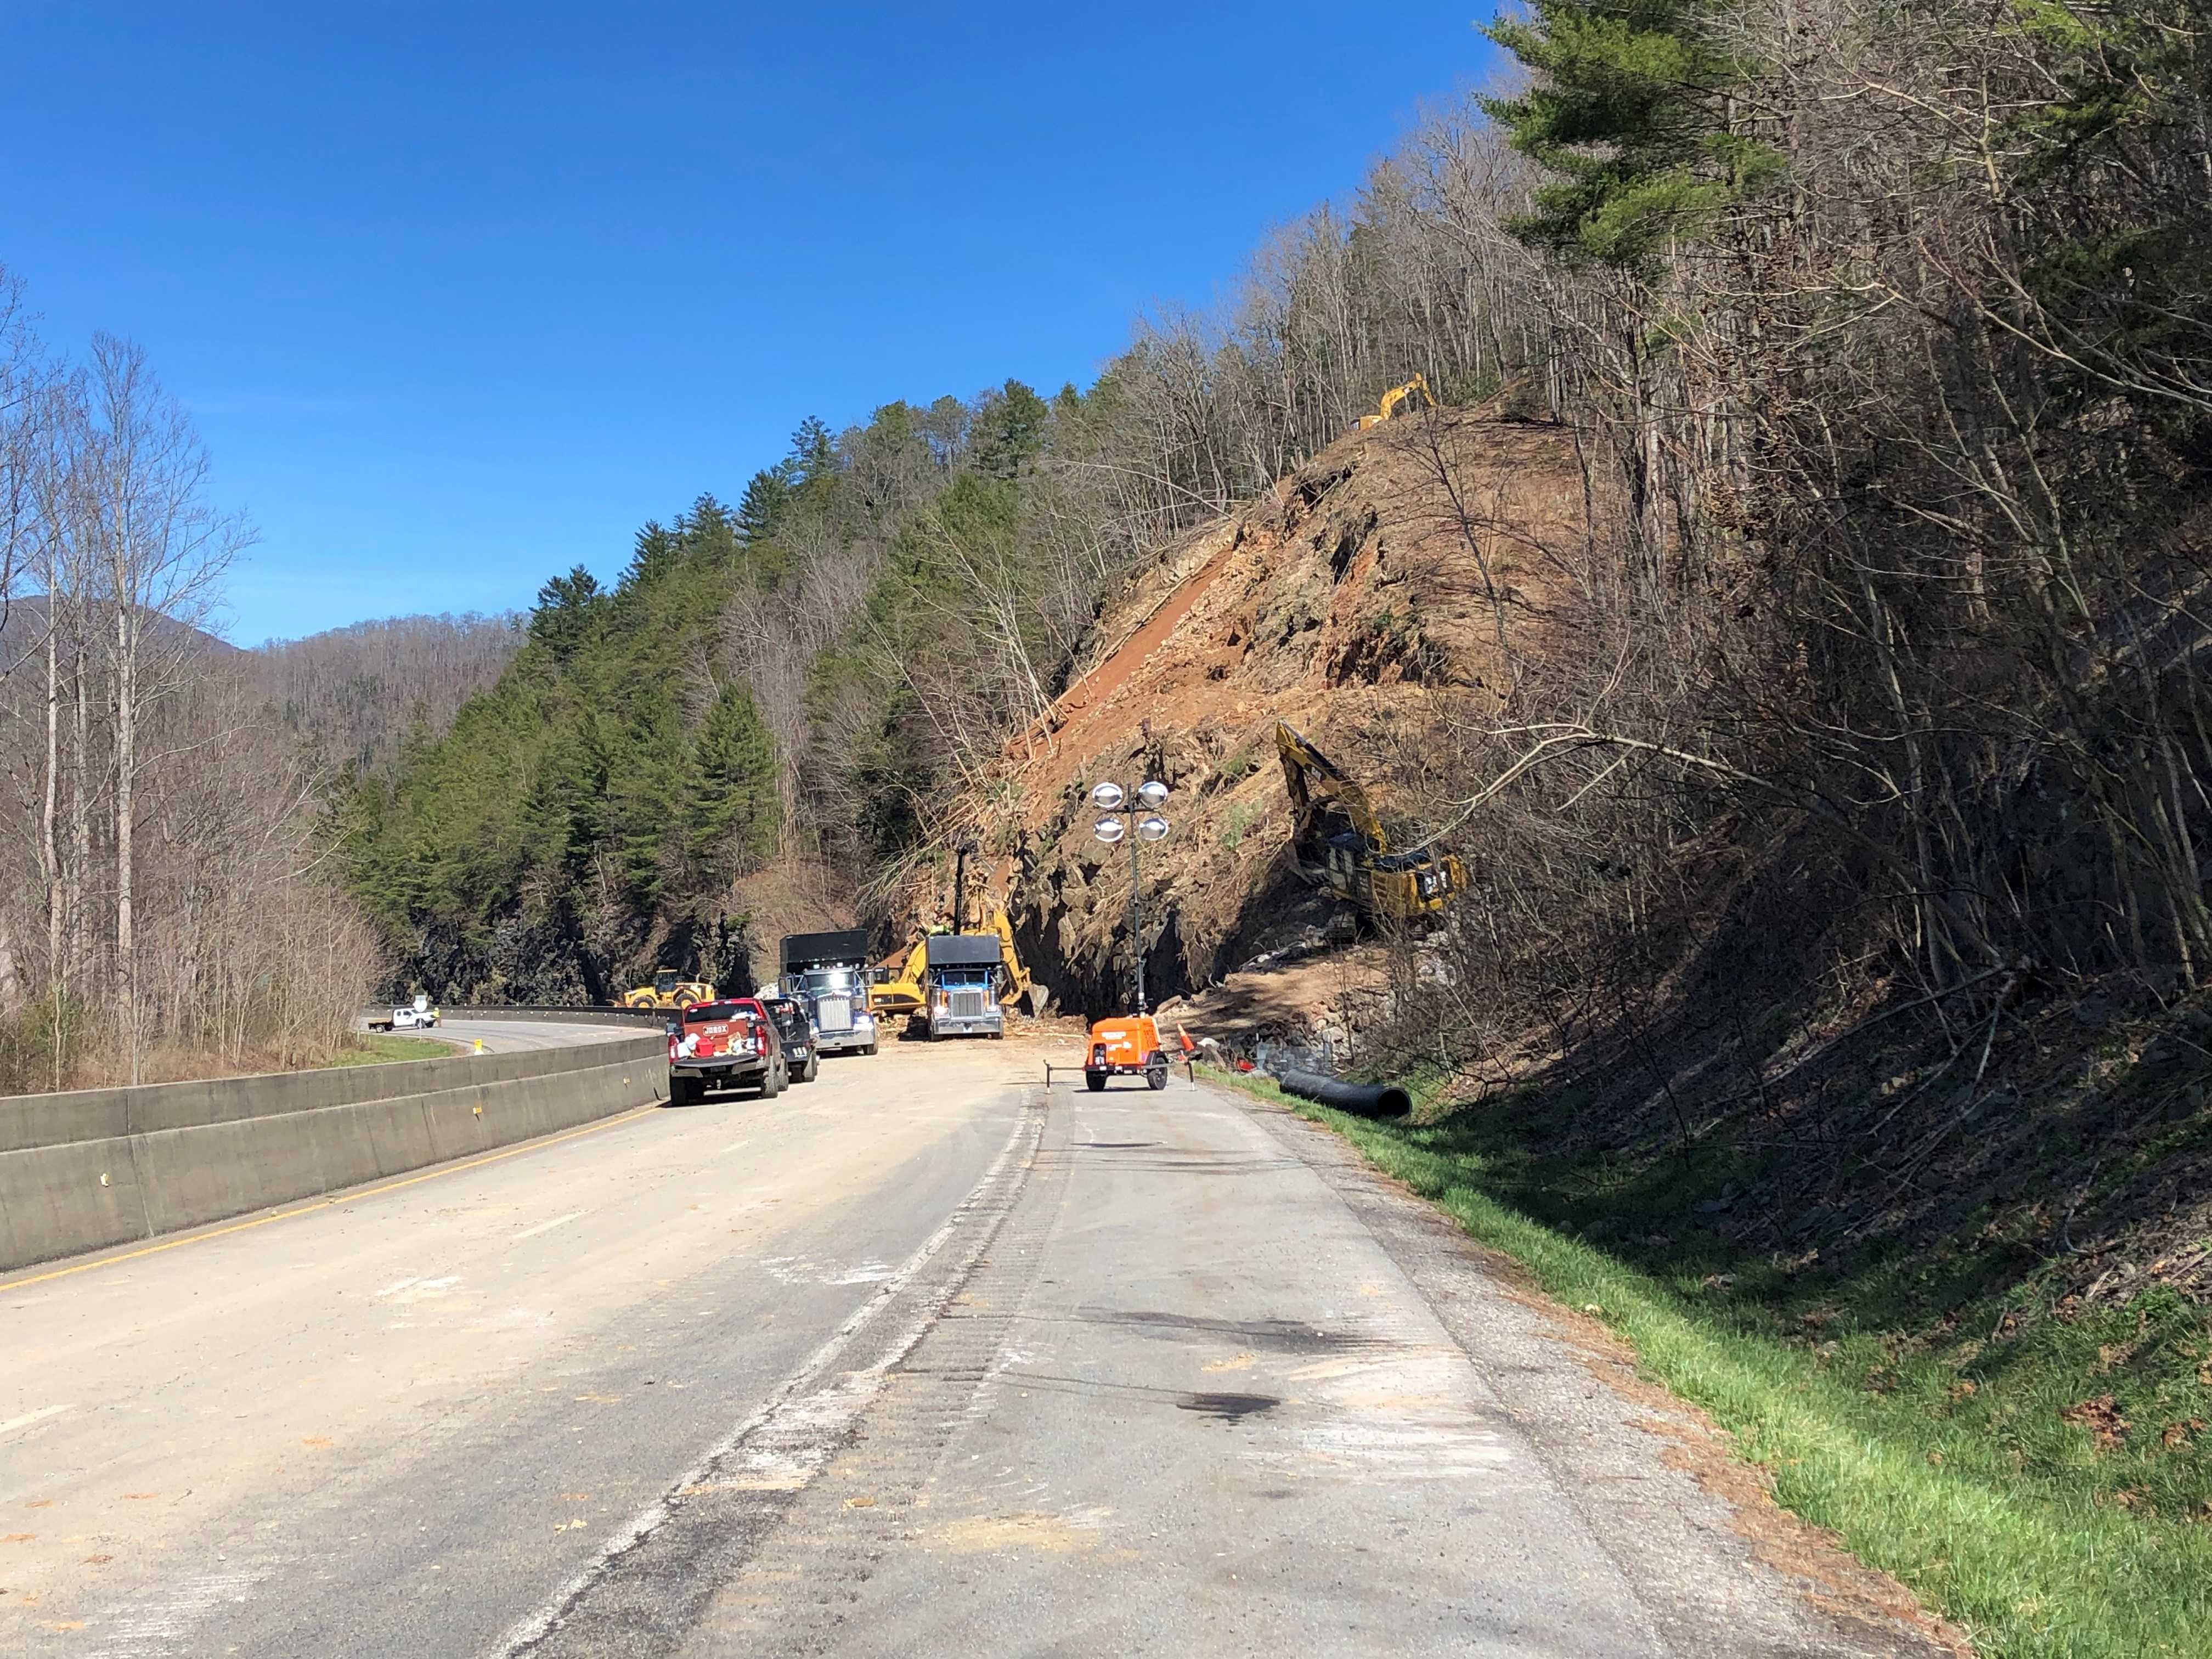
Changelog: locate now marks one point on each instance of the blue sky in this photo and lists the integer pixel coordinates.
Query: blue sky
(462, 294)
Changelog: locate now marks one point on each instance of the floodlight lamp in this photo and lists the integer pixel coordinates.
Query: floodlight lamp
(1152, 827)
(1107, 797)
(1110, 830)
(1151, 792)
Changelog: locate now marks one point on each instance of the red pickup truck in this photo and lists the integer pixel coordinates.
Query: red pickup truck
(721, 1045)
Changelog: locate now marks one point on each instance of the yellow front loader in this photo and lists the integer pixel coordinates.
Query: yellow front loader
(669, 989)
(1340, 843)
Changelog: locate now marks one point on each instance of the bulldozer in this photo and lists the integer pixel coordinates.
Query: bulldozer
(1340, 843)
(1399, 398)
(669, 989)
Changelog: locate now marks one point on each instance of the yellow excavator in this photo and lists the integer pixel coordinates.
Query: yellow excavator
(669, 989)
(899, 990)
(1340, 843)
(894, 986)
(1021, 989)
(1399, 398)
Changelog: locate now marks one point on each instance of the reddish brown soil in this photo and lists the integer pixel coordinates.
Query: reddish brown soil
(1362, 601)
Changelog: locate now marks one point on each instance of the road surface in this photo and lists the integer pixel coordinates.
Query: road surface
(918, 1358)
(504, 1037)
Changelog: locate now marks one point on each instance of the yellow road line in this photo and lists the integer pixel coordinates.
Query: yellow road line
(324, 1203)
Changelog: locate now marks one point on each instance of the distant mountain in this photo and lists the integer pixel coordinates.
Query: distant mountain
(355, 691)
(23, 631)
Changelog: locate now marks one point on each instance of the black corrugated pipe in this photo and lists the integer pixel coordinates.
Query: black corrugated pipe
(1367, 1099)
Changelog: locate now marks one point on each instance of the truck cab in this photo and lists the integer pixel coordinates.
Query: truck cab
(960, 985)
(826, 974)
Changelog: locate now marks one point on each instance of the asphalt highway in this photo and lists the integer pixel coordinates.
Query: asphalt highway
(503, 1036)
(918, 1358)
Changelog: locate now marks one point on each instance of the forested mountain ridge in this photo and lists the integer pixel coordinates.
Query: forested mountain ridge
(795, 678)
(354, 692)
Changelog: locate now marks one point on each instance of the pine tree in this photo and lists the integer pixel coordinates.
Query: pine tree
(767, 494)
(728, 805)
(1630, 110)
(1009, 430)
(568, 608)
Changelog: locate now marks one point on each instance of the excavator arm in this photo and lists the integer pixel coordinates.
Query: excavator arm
(1314, 783)
(1021, 988)
(1397, 397)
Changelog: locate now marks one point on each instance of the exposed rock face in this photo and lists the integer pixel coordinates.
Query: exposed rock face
(1362, 602)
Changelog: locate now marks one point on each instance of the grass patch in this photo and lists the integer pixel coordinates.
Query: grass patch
(377, 1047)
(2005, 1482)
(1239, 819)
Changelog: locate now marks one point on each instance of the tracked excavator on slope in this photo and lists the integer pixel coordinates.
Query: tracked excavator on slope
(1413, 394)
(1340, 843)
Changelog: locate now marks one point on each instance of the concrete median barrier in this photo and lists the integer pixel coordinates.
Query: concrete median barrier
(102, 1167)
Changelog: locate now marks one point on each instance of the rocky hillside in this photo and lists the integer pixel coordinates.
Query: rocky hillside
(1360, 602)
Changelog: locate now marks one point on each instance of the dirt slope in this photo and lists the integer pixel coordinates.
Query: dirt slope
(1359, 603)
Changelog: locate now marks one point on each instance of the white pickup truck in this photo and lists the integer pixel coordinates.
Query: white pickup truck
(418, 1016)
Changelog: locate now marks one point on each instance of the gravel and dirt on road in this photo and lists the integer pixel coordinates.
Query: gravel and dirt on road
(921, 1358)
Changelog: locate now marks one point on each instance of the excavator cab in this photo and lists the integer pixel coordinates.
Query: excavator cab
(1339, 842)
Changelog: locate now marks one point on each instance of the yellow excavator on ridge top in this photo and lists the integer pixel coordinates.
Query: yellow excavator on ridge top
(1398, 398)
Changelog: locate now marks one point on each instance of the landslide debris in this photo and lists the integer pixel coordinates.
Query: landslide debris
(1361, 601)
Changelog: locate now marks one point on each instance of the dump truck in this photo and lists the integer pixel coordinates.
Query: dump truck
(897, 985)
(1339, 841)
(827, 974)
(960, 985)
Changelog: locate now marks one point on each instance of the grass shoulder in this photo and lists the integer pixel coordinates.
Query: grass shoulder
(1986, 1488)
(379, 1048)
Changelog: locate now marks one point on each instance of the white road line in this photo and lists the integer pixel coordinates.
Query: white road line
(29, 1417)
(826, 1410)
(546, 1226)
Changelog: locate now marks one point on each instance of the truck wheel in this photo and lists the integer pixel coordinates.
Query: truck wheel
(1095, 1081)
(870, 1049)
(682, 1091)
(1157, 1076)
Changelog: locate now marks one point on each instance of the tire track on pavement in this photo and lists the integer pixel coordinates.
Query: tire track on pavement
(651, 1580)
